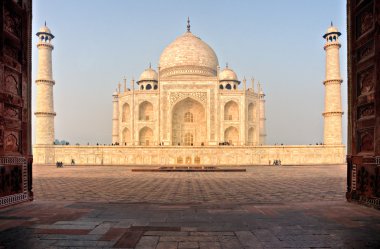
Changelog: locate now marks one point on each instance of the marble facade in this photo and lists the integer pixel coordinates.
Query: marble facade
(191, 112)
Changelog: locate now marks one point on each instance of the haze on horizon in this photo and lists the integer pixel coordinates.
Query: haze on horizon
(279, 43)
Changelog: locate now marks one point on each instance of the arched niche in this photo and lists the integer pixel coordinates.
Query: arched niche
(231, 111)
(125, 113)
(146, 111)
(146, 136)
(231, 135)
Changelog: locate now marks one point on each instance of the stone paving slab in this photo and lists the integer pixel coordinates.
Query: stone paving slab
(265, 207)
(307, 225)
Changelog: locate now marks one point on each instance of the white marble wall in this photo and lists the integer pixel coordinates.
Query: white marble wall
(333, 106)
(209, 155)
(44, 100)
(165, 100)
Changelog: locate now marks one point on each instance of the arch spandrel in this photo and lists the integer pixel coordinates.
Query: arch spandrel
(175, 97)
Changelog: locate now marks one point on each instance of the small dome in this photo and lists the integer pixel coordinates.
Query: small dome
(228, 74)
(44, 29)
(332, 29)
(188, 54)
(148, 75)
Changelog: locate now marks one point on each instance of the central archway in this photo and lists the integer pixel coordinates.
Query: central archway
(189, 123)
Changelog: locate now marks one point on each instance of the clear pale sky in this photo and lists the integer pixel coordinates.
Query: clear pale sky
(277, 42)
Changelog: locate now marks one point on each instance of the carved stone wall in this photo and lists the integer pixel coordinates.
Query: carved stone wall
(363, 160)
(15, 102)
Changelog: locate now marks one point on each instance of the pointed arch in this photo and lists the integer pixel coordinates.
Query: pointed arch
(231, 111)
(189, 116)
(126, 112)
(146, 136)
(11, 84)
(146, 111)
(231, 135)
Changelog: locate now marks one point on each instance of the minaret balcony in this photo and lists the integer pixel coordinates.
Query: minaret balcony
(44, 44)
(332, 81)
(330, 44)
(44, 81)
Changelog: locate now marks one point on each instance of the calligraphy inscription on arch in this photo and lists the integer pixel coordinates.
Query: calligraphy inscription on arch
(175, 97)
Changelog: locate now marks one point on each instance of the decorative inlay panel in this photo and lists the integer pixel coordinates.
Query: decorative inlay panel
(366, 51)
(11, 52)
(366, 81)
(12, 82)
(12, 23)
(11, 112)
(11, 142)
(175, 97)
(366, 111)
(364, 22)
(366, 141)
(190, 70)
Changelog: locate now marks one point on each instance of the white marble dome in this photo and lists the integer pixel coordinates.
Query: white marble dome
(228, 74)
(332, 29)
(149, 74)
(44, 29)
(188, 55)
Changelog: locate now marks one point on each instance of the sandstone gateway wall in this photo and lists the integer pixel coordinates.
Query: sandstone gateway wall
(192, 155)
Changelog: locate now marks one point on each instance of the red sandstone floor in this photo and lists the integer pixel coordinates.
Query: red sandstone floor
(267, 207)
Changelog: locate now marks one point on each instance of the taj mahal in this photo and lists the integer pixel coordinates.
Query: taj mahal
(190, 101)
(189, 111)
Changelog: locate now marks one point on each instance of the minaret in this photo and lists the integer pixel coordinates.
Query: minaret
(45, 106)
(262, 121)
(333, 106)
(115, 118)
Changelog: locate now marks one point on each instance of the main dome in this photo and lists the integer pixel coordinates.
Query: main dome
(188, 55)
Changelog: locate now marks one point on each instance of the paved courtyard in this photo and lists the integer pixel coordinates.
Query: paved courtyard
(265, 207)
(258, 185)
